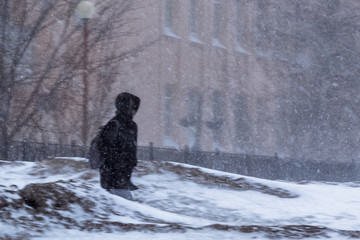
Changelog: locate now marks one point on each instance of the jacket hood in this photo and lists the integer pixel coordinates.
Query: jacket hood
(127, 104)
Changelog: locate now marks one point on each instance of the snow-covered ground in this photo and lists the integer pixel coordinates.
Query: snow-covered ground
(61, 199)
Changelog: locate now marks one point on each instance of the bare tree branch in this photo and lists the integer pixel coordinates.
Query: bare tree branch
(41, 64)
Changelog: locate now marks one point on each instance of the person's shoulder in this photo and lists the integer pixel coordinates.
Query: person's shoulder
(111, 125)
(133, 124)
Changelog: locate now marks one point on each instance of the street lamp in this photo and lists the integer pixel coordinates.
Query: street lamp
(85, 10)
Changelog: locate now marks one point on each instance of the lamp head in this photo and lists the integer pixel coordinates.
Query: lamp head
(85, 9)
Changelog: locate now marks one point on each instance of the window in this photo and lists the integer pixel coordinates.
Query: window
(239, 27)
(216, 20)
(194, 21)
(193, 120)
(193, 18)
(169, 15)
(242, 124)
(217, 24)
(218, 119)
(168, 116)
(261, 29)
(169, 18)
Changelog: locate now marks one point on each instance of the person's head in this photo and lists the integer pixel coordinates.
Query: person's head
(127, 103)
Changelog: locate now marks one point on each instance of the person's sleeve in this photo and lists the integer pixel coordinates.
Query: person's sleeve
(110, 134)
(136, 135)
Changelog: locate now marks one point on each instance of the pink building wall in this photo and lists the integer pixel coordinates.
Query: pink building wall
(240, 66)
(184, 67)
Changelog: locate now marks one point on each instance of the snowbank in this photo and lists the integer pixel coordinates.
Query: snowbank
(61, 199)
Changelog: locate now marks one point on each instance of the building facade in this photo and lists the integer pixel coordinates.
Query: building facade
(243, 76)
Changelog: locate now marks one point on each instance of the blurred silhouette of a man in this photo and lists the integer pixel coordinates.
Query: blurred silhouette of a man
(118, 146)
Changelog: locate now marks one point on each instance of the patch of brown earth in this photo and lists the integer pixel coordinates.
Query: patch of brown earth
(198, 176)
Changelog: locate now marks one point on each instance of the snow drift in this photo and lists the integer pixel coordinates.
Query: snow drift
(61, 198)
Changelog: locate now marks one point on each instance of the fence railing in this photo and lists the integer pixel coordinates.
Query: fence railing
(268, 167)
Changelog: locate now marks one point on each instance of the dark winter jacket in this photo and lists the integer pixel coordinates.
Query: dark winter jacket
(118, 145)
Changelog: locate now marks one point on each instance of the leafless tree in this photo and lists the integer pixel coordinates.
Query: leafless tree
(41, 66)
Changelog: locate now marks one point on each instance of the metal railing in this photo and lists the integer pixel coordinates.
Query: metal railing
(268, 167)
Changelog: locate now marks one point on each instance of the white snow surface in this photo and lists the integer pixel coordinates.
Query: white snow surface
(176, 201)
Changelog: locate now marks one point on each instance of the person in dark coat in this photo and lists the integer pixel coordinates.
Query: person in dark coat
(118, 146)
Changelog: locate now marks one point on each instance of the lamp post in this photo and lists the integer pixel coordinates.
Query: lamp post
(85, 10)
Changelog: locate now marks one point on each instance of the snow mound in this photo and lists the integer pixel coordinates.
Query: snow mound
(61, 199)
